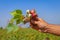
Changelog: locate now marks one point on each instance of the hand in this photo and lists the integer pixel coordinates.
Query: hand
(39, 25)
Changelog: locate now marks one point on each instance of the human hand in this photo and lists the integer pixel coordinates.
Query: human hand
(38, 24)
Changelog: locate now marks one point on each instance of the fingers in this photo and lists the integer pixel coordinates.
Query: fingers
(31, 25)
(38, 24)
(35, 27)
(34, 22)
(37, 19)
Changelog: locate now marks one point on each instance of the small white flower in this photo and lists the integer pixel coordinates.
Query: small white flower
(27, 10)
(29, 15)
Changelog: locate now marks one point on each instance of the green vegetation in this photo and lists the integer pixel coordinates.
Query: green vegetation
(17, 16)
(16, 19)
(26, 34)
(13, 32)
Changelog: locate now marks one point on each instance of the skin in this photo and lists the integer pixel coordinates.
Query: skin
(42, 26)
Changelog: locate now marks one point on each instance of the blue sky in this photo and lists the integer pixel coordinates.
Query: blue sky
(49, 10)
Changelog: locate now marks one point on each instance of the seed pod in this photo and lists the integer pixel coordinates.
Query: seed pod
(27, 18)
(33, 14)
(28, 13)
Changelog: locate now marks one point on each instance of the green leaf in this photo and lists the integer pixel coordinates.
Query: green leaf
(17, 16)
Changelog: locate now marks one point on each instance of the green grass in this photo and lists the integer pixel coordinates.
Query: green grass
(26, 34)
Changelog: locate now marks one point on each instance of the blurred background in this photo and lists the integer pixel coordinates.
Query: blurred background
(49, 10)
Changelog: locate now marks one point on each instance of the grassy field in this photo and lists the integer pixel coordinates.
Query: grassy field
(26, 34)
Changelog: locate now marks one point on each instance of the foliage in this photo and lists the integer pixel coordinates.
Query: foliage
(26, 34)
(17, 16)
(11, 27)
(1, 27)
